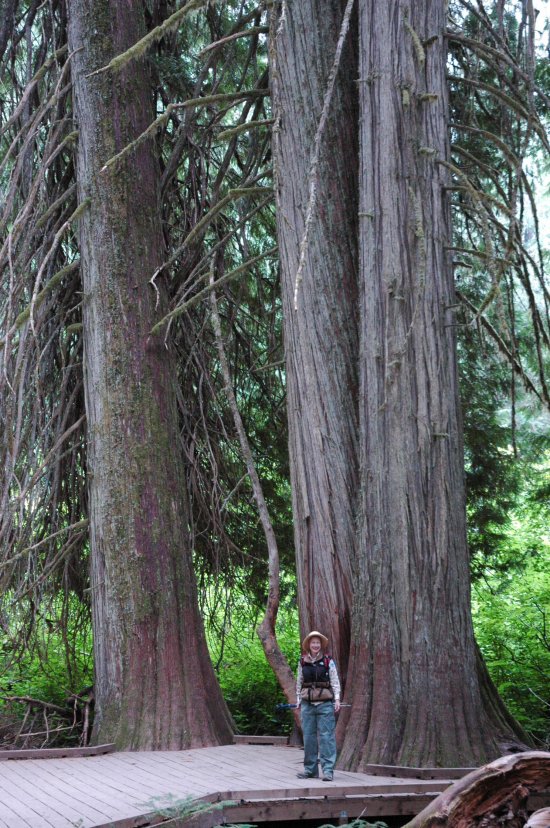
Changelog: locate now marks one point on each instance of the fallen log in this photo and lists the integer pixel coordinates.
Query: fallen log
(492, 796)
(540, 819)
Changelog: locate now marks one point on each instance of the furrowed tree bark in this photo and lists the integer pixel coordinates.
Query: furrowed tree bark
(155, 685)
(416, 691)
(321, 341)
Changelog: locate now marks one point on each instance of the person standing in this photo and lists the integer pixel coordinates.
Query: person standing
(318, 697)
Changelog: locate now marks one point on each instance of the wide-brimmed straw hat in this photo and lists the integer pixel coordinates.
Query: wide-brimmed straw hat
(314, 634)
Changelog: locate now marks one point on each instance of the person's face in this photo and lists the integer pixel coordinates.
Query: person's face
(314, 645)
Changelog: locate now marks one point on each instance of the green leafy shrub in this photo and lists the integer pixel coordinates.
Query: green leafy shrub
(247, 681)
(55, 666)
(512, 621)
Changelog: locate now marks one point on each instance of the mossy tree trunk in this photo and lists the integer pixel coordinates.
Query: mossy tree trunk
(155, 686)
(321, 336)
(417, 690)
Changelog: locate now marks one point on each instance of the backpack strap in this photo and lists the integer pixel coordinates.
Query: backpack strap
(326, 660)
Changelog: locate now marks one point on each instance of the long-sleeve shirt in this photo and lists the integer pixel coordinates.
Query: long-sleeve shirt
(333, 678)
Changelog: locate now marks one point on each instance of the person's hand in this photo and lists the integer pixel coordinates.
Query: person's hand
(336, 706)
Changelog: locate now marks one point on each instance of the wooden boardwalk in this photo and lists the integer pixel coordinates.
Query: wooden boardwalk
(127, 790)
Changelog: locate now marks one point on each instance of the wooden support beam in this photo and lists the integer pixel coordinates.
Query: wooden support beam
(56, 753)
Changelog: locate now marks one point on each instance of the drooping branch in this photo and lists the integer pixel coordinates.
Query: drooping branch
(198, 297)
(252, 32)
(499, 124)
(142, 46)
(503, 348)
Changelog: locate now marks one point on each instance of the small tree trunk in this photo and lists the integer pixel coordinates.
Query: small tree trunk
(155, 685)
(492, 796)
(321, 335)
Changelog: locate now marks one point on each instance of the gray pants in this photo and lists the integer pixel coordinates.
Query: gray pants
(318, 723)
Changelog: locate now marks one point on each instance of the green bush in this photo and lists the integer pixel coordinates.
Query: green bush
(512, 621)
(247, 681)
(50, 666)
(58, 661)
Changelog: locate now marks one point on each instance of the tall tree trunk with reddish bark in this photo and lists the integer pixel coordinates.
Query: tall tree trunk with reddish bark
(320, 335)
(155, 686)
(416, 691)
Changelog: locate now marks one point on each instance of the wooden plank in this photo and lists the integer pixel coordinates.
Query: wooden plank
(104, 784)
(214, 817)
(29, 810)
(127, 779)
(61, 800)
(334, 789)
(131, 789)
(79, 787)
(145, 773)
(19, 814)
(327, 808)
(7, 819)
(177, 779)
(237, 766)
(56, 753)
(417, 773)
(113, 793)
(300, 809)
(143, 821)
(260, 740)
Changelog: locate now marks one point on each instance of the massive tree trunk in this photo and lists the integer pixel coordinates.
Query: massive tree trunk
(321, 340)
(417, 695)
(155, 686)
